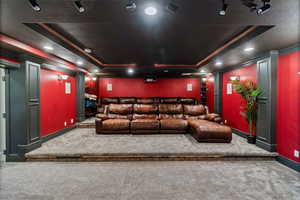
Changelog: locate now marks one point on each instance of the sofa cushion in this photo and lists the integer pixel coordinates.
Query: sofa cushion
(170, 116)
(115, 124)
(102, 116)
(144, 124)
(169, 100)
(145, 101)
(122, 109)
(145, 108)
(189, 117)
(109, 100)
(129, 100)
(145, 116)
(173, 124)
(194, 110)
(170, 109)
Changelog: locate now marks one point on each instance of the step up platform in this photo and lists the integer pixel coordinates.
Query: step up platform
(83, 144)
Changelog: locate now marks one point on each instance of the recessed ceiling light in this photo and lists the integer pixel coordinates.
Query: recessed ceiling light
(150, 10)
(88, 50)
(248, 49)
(130, 71)
(49, 48)
(35, 6)
(79, 63)
(219, 63)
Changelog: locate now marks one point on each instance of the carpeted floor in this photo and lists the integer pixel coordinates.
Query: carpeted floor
(224, 180)
(85, 141)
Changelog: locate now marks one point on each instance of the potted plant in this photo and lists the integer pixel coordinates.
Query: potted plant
(249, 91)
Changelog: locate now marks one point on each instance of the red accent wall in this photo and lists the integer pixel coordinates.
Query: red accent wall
(91, 86)
(288, 105)
(210, 85)
(56, 107)
(136, 87)
(233, 103)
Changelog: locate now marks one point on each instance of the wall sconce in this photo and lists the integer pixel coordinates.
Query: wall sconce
(94, 78)
(234, 78)
(211, 79)
(62, 77)
(204, 79)
(87, 78)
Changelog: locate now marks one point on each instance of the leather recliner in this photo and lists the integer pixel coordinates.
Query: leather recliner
(153, 118)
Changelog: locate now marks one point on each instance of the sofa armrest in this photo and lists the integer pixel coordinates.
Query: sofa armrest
(98, 123)
(214, 118)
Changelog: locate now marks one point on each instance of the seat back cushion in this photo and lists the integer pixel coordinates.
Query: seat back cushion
(121, 109)
(170, 109)
(194, 110)
(145, 108)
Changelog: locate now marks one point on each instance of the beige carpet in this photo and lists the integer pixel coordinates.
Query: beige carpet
(84, 141)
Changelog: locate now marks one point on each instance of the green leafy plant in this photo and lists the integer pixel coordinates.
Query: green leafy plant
(249, 91)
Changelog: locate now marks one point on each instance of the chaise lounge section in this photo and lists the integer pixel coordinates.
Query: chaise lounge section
(147, 116)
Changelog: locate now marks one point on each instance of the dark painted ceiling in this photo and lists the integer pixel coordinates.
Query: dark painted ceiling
(184, 37)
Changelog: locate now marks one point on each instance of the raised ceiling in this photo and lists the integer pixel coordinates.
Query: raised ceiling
(182, 38)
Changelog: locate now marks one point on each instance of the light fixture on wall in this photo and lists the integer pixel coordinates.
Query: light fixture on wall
(79, 6)
(87, 78)
(234, 78)
(204, 79)
(211, 79)
(35, 6)
(63, 77)
(94, 78)
(222, 12)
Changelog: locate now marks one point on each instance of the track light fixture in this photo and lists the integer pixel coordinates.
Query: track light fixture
(172, 6)
(265, 8)
(130, 6)
(35, 6)
(79, 6)
(222, 12)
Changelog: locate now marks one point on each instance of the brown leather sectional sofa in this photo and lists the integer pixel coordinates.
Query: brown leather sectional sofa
(146, 116)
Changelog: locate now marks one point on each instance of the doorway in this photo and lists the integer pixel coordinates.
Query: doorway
(2, 116)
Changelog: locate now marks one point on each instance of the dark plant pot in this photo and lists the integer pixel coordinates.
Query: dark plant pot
(251, 139)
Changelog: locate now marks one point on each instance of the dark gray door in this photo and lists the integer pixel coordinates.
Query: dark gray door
(267, 80)
(33, 101)
(264, 100)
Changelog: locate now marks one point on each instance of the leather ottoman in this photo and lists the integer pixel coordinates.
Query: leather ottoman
(206, 131)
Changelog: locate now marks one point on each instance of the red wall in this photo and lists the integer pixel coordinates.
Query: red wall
(288, 105)
(136, 87)
(233, 103)
(91, 86)
(210, 85)
(56, 107)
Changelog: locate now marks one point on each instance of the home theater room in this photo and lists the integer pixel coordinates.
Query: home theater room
(150, 99)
